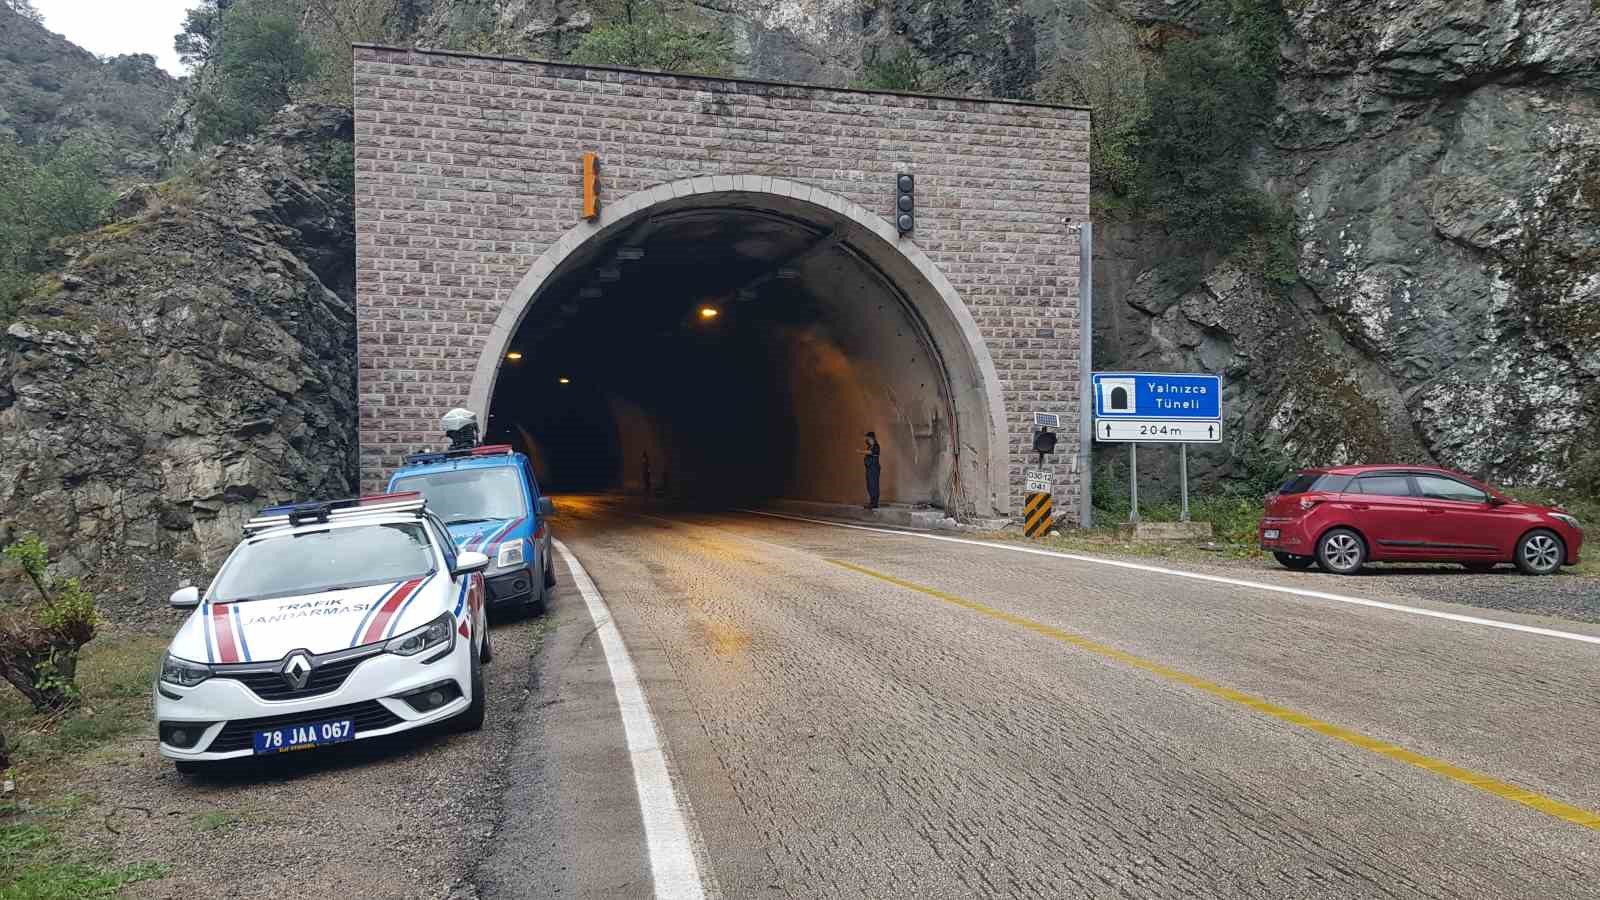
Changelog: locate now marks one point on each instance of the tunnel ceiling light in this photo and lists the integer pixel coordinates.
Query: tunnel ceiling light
(709, 312)
(746, 295)
(564, 380)
(514, 355)
(590, 293)
(611, 273)
(630, 253)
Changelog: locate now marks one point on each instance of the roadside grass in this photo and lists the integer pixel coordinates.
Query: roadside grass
(36, 865)
(219, 820)
(1234, 518)
(115, 675)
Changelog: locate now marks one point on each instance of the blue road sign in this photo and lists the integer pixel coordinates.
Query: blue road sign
(1147, 395)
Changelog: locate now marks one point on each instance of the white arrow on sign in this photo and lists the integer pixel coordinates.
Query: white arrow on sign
(1159, 431)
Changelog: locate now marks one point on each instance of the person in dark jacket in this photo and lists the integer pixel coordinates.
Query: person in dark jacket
(870, 454)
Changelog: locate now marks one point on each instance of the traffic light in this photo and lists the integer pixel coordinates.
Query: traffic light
(905, 204)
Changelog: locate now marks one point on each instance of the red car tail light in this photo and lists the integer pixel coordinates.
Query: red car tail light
(1309, 503)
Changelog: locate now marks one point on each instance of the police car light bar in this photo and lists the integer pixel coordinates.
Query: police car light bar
(293, 514)
(422, 459)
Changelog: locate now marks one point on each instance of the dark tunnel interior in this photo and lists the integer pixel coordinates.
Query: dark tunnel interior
(743, 349)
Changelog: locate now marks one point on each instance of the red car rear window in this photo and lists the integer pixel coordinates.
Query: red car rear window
(1306, 482)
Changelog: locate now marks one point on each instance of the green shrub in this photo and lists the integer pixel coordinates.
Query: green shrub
(42, 200)
(255, 60)
(1207, 102)
(643, 35)
(41, 635)
(901, 71)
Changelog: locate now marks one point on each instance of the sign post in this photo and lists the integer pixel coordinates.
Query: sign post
(1183, 479)
(1135, 407)
(1133, 482)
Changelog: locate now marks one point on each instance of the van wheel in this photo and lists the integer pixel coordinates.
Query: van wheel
(1540, 553)
(1341, 551)
(1290, 561)
(535, 604)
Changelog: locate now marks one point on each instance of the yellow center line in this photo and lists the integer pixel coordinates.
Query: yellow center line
(1494, 786)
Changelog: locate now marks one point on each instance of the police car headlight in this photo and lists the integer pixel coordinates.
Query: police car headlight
(510, 554)
(437, 633)
(182, 672)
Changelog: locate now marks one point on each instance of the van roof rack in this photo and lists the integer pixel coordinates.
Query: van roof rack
(290, 515)
(438, 456)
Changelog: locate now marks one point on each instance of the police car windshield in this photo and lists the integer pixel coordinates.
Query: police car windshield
(469, 495)
(288, 565)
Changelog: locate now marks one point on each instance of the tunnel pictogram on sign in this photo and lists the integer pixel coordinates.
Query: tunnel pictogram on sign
(1037, 515)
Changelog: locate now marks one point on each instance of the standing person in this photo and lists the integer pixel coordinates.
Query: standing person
(870, 454)
(647, 473)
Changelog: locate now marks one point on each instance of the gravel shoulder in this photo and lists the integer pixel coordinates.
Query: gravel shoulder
(396, 818)
(1573, 594)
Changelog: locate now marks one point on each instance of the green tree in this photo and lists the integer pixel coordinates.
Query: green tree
(643, 35)
(1208, 102)
(255, 60)
(201, 27)
(1108, 77)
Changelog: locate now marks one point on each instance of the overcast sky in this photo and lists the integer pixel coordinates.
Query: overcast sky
(110, 27)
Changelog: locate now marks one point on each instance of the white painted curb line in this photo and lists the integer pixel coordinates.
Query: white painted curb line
(1215, 579)
(666, 832)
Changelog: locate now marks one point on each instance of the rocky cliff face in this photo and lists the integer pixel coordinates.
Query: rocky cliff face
(51, 89)
(1443, 163)
(192, 361)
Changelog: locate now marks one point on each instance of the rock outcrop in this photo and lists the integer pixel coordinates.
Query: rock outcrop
(51, 89)
(192, 361)
(1442, 161)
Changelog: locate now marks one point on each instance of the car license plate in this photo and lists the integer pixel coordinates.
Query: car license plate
(303, 737)
(1270, 534)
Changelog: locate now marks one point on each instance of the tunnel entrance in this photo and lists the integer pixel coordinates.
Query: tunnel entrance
(738, 345)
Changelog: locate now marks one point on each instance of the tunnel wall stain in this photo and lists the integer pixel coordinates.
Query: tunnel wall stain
(468, 171)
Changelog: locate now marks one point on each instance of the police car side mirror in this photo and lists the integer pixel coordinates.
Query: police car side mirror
(546, 507)
(185, 597)
(470, 561)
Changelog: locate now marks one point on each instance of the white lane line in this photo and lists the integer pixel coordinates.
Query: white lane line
(666, 832)
(1215, 579)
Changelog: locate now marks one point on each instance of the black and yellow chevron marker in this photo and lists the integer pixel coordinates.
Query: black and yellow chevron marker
(1036, 515)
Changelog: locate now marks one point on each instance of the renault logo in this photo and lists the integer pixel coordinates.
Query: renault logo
(296, 670)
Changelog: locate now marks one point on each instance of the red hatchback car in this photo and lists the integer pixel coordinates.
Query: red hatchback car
(1343, 518)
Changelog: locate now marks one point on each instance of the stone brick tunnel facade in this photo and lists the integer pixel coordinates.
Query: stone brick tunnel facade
(469, 199)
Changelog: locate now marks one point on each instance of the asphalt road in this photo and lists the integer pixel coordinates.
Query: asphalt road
(848, 713)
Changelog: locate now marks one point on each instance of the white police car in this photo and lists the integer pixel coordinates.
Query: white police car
(329, 622)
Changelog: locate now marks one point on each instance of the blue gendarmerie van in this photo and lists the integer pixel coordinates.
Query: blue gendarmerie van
(488, 498)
